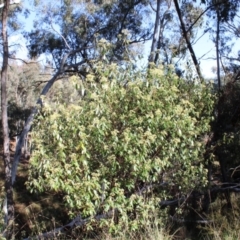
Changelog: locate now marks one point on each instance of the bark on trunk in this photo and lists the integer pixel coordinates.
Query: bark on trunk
(9, 215)
(189, 45)
(160, 45)
(155, 34)
(217, 50)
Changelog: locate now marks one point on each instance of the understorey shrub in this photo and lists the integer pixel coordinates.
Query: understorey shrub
(133, 140)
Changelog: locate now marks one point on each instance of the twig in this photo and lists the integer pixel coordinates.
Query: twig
(76, 222)
(182, 220)
(20, 59)
(234, 170)
(205, 54)
(64, 39)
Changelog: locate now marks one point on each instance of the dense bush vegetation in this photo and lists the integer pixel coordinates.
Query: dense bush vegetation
(128, 144)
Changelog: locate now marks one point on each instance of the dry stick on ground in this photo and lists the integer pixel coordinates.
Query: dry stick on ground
(76, 222)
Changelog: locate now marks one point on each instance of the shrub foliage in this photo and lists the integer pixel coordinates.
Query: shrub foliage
(133, 140)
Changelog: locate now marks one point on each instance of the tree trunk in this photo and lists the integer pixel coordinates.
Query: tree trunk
(189, 45)
(163, 23)
(155, 34)
(217, 50)
(9, 215)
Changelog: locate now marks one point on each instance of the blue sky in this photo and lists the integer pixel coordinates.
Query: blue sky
(203, 46)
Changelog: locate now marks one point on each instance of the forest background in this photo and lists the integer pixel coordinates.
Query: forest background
(94, 142)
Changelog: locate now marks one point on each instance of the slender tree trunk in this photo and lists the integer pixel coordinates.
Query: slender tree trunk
(189, 45)
(217, 50)
(162, 25)
(9, 215)
(155, 34)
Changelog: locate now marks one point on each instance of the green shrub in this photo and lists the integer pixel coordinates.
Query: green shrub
(125, 147)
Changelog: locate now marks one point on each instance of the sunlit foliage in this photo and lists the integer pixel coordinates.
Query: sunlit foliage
(125, 147)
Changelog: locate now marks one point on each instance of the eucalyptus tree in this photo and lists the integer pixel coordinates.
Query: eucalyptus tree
(169, 42)
(221, 13)
(152, 57)
(9, 206)
(163, 28)
(185, 33)
(229, 53)
(93, 31)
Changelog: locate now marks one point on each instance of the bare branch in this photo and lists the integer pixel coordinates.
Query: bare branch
(24, 61)
(209, 7)
(64, 39)
(76, 222)
(205, 54)
(186, 37)
(155, 10)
